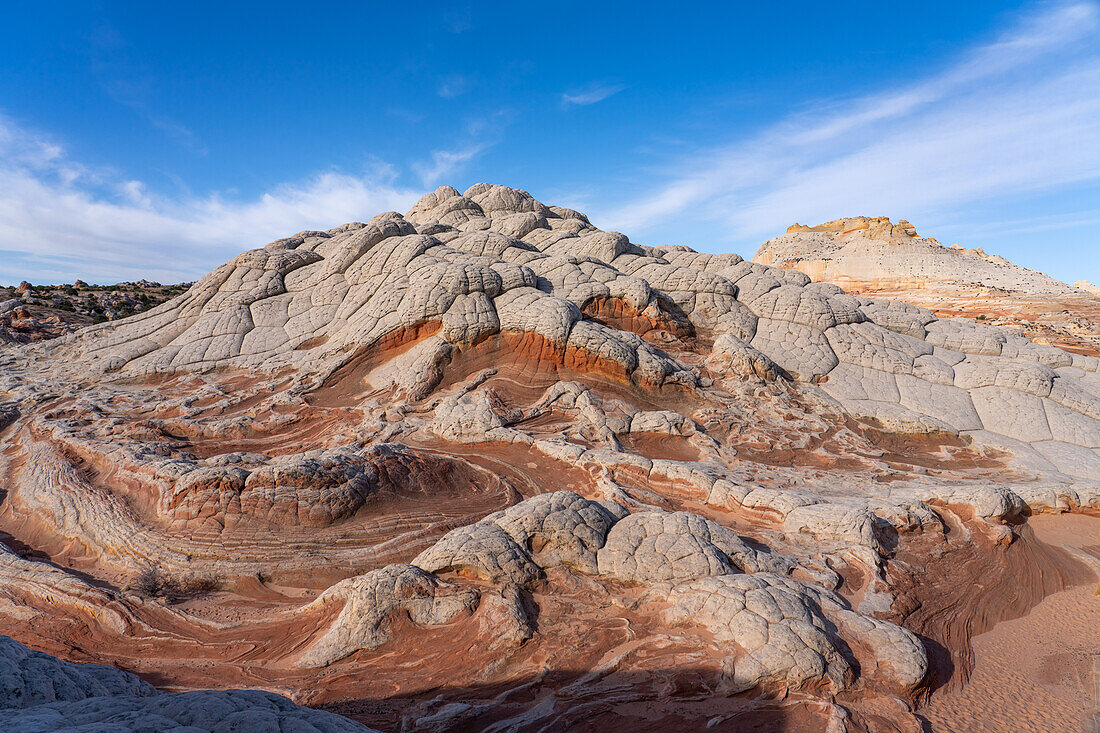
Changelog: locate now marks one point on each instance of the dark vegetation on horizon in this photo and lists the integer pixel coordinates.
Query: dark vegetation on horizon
(31, 313)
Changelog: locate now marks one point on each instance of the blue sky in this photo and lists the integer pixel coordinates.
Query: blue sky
(157, 140)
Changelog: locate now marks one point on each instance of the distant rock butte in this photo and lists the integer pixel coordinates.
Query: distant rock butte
(871, 255)
(485, 466)
(1087, 287)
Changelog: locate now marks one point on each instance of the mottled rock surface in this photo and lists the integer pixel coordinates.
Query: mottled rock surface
(485, 463)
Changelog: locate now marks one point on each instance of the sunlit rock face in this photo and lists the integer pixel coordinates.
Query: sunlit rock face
(876, 258)
(866, 253)
(400, 468)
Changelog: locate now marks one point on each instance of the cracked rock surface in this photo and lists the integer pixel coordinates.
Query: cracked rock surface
(483, 461)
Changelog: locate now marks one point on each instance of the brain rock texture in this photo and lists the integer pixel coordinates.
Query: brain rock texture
(408, 468)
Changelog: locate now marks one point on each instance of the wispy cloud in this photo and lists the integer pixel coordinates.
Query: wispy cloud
(590, 94)
(124, 81)
(60, 220)
(445, 163)
(453, 85)
(407, 115)
(1031, 224)
(1012, 115)
(176, 131)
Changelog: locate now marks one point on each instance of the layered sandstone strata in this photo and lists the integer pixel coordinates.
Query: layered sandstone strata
(875, 257)
(871, 253)
(484, 461)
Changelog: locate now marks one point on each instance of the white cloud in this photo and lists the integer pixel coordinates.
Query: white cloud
(590, 95)
(26, 148)
(1014, 115)
(445, 163)
(60, 221)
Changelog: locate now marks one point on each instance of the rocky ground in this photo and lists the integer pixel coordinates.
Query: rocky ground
(30, 313)
(483, 466)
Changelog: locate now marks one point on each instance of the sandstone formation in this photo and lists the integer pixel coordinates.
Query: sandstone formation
(40, 694)
(874, 257)
(864, 252)
(486, 462)
(1087, 287)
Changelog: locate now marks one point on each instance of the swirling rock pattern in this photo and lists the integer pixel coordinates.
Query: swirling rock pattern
(42, 694)
(487, 446)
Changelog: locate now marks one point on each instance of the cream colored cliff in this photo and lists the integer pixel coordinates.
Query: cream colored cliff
(870, 253)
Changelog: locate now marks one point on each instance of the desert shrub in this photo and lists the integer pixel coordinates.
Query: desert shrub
(152, 582)
(149, 583)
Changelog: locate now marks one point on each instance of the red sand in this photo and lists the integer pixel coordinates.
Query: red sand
(1039, 672)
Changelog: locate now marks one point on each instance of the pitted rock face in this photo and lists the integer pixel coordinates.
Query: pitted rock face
(732, 358)
(790, 633)
(217, 711)
(308, 490)
(482, 550)
(557, 528)
(787, 633)
(372, 599)
(29, 678)
(653, 547)
(474, 417)
(560, 528)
